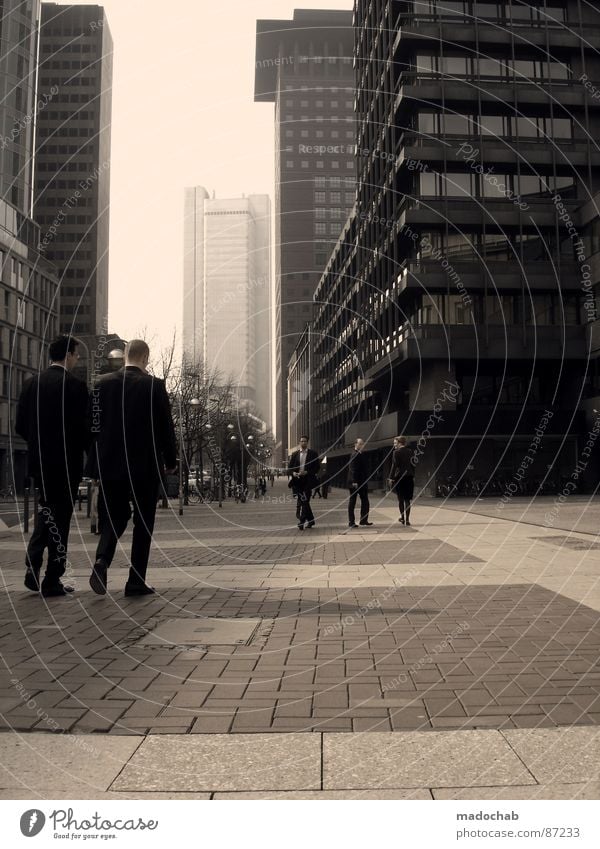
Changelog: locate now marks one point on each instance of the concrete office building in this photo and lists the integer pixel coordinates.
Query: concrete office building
(72, 175)
(304, 66)
(460, 282)
(228, 291)
(28, 282)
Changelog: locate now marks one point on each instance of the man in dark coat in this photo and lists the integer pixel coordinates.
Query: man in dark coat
(52, 418)
(303, 467)
(358, 484)
(134, 442)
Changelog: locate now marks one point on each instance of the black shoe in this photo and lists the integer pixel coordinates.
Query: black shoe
(138, 589)
(98, 577)
(32, 580)
(408, 523)
(300, 526)
(353, 525)
(310, 525)
(401, 519)
(56, 589)
(366, 523)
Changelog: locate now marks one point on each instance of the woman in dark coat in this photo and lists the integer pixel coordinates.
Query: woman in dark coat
(402, 478)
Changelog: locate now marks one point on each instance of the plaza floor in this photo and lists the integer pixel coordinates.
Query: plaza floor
(457, 658)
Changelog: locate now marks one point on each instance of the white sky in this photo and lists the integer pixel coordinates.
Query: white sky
(183, 114)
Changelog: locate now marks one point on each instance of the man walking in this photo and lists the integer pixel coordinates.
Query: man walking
(134, 442)
(358, 484)
(302, 468)
(52, 418)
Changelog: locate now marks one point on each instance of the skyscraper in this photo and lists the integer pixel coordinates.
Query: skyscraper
(28, 282)
(72, 175)
(227, 291)
(459, 291)
(304, 66)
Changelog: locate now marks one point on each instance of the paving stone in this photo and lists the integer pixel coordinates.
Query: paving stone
(452, 758)
(224, 762)
(558, 755)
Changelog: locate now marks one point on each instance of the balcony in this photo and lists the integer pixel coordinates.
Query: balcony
(418, 29)
(413, 88)
(476, 342)
(474, 212)
(476, 276)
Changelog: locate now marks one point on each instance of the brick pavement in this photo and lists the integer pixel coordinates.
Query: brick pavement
(453, 624)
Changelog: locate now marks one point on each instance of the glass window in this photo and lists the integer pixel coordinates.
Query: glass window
(428, 183)
(319, 197)
(496, 186)
(492, 68)
(427, 122)
(563, 128)
(456, 124)
(492, 125)
(457, 185)
(525, 70)
(527, 127)
(455, 66)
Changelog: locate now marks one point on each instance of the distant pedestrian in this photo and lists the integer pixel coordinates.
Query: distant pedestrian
(302, 468)
(358, 484)
(263, 486)
(134, 442)
(52, 418)
(402, 478)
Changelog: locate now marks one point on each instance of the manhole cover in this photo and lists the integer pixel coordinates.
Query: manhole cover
(205, 632)
(575, 543)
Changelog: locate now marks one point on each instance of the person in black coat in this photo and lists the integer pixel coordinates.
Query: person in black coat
(402, 477)
(358, 484)
(52, 419)
(303, 468)
(134, 443)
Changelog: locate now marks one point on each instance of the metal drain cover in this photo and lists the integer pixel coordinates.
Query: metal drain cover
(202, 632)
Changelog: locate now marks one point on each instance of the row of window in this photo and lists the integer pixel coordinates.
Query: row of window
(290, 164)
(319, 134)
(319, 104)
(432, 123)
(63, 97)
(516, 11)
(65, 65)
(334, 197)
(319, 88)
(55, 167)
(520, 70)
(544, 310)
(493, 246)
(318, 119)
(74, 47)
(494, 185)
(65, 149)
(334, 183)
(71, 132)
(67, 116)
(321, 229)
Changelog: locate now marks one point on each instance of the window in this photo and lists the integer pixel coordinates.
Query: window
(304, 163)
(320, 212)
(319, 197)
(320, 229)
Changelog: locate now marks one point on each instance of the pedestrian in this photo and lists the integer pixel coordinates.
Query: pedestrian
(134, 442)
(358, 484)
(263, 486)
(302, 469)
(52, 418)
(402, 477)
(317, 490)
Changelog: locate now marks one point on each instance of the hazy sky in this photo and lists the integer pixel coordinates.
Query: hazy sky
(183, 114)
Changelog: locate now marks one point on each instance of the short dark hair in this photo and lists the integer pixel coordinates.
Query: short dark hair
(304, 437)
(62, 346)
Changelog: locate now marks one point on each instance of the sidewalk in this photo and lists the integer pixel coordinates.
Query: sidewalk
(456, 658)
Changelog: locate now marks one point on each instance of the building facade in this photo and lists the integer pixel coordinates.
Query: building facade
(304, 66)
(228, 291)
(72, 173)
(28, 282)
(459, 292)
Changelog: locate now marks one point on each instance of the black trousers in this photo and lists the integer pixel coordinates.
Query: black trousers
(51, 531)
(304, 511)
(114, 512)
(362, 492)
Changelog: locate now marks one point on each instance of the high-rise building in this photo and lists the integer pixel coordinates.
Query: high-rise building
(304, 66)
(28, 282)
(72, 173)
(227, 291)
(458, 291)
